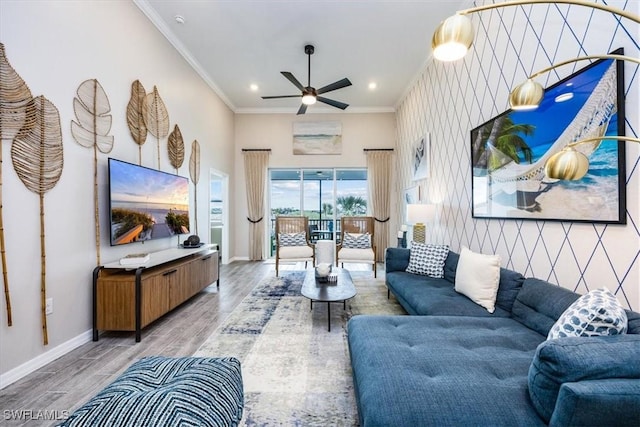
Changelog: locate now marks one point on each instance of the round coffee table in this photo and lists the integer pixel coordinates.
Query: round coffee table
(332, 291)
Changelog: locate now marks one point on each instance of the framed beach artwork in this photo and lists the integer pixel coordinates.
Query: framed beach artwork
(509, 152)
(317, 138)
(420, 160)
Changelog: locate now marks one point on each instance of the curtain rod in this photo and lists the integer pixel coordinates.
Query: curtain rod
(256, 149)
(378, 149)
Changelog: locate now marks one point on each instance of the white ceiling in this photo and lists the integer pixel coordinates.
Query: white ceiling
(236, 43)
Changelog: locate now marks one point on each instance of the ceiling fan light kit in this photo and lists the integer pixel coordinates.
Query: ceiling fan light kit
(309, 94)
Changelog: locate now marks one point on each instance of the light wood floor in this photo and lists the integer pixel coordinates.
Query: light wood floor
(66, 383)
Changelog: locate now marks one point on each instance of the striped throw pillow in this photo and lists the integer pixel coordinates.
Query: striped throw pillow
(293, 239)
(357, 241)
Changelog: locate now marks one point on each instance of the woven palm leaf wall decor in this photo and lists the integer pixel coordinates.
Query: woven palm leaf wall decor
(14, 98)
(156, 117)
(92, 108)
(135, 117)
(37, 158)
(194, 171)
(175, 146)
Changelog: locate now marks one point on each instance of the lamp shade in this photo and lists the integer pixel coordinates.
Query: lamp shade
(453, 38)
(526, 96)
(418, 214)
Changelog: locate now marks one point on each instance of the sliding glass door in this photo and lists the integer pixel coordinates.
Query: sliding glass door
(323, 195)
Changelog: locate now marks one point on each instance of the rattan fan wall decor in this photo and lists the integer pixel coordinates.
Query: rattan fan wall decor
(37, 158)
(175, 146)
(156, 117)
(194, 171)
(92, 108)
(135, 116)
(14, 98)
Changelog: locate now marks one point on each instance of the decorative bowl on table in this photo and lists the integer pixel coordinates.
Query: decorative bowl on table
(322, 272)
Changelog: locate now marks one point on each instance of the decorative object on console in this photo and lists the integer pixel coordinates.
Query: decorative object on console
(416, 214)
(156, 117)
(135, 259)
(421, 158)
(596, 313)
(477, 277)
(194, 172)
(175, 146)
(135, 116)
(92, 108)
(322, 272)
(192, 241)
(14, 99)
(33, 147)
(317, 138)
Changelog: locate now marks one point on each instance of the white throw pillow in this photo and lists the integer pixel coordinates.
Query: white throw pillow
(596, 313)
(478, 277)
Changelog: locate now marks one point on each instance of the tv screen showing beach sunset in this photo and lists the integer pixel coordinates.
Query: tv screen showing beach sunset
(145, 203)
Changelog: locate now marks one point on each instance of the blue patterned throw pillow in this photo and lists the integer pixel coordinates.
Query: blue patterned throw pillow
(356, 241)
(293, 239)
(427, 259)
(595, 313)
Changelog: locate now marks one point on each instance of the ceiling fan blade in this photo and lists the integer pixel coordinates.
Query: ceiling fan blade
(332, 102)
(302, 109)
(293, 80)
(281, 96)
(334, 86)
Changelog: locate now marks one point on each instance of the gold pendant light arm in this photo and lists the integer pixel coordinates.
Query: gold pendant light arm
(591, 4)
(601, 138)
(584, 58)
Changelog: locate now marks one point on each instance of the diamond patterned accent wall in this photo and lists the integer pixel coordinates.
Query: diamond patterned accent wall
(449, 99)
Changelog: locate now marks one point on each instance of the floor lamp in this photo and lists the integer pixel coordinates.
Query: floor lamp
(416, 214)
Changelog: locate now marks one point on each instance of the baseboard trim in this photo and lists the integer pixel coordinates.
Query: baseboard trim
(38, 362)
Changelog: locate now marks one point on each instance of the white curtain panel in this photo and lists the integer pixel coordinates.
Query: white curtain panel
(379, 179)
(255, 173)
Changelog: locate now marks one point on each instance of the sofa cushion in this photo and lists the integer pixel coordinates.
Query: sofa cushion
(427, 259)
(574, 359)
(478, 277)
(356, 240)
(295, 252)
(539, 304)
(292, 239)
(423, 295)
(510, 282)
(598, 312)
(441, 370)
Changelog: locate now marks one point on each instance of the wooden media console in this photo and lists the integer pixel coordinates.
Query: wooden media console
(130, 297)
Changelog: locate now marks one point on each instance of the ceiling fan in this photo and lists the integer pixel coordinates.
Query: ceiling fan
(310, 94)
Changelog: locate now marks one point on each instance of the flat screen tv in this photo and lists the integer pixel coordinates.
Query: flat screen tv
(508, 153)
(146, 204)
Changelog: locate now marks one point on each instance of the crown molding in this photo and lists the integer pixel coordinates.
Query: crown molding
(316, 110)
(156, 20)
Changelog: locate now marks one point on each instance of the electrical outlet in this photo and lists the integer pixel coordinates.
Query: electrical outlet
(48, 306)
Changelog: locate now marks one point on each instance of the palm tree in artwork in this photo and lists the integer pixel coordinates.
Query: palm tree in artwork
(351, 205)
(503, 136)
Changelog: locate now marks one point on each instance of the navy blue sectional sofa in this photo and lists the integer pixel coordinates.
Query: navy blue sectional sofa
(451, 363)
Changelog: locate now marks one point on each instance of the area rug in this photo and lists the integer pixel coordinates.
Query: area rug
(295, 372)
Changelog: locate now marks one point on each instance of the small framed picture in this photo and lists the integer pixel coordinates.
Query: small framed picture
(421, 159)
(412, 195)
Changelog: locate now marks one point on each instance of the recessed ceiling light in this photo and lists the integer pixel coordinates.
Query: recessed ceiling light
(373, 85)
(180, 19)
(254, 87)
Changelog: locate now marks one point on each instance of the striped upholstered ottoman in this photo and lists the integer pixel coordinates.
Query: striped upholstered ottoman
(162, 391)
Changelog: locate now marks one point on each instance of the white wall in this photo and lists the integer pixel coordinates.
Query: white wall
(55, 46)
(274, 131)
(450, 99)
